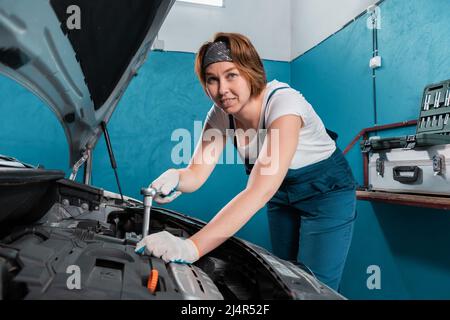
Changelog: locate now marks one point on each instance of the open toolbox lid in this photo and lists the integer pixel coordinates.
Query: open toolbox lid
(435, 109)
(433, 125)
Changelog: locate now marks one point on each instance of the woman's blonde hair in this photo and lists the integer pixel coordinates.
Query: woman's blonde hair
(244, 56)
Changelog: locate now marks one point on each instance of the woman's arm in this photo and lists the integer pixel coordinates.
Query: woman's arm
(267, 175)
(206, 155)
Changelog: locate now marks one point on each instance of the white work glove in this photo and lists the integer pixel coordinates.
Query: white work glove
(166, 185)
(166, 246)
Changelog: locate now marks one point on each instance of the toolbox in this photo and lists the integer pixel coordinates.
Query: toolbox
(417, 163)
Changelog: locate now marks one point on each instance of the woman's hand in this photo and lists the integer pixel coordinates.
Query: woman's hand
(166, 246)
(166, 185)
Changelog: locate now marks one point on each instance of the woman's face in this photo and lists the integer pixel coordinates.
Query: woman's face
(227, 87)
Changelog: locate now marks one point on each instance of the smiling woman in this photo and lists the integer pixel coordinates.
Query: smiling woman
(245, 60)
(293, 165)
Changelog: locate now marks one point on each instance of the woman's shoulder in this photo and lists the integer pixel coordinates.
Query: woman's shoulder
(283, 100)
(275, 84)
(279, 93)
(276, 88)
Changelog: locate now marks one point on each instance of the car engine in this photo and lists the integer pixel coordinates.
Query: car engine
(64, 240)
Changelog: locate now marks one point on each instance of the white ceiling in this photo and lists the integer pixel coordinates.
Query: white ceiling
(265, 22)
(280, 29)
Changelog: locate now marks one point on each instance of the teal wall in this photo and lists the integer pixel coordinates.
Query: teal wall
(29, 131)
(410, 245)
(165, 96)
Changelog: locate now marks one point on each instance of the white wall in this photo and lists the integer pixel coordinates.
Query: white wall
(265, 22)
(280, 29)
(315, 20)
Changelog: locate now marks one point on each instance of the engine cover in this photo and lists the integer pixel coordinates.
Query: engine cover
(53, 263)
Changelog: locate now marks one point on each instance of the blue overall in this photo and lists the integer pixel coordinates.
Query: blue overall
(311, 216)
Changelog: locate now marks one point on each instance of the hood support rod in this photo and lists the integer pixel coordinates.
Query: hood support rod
(77, 166)
(111, 156)
(88, 167)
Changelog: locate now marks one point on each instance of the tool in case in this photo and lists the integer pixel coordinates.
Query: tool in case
(417, 163)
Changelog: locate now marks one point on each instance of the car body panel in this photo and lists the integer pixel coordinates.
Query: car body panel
(39, 51)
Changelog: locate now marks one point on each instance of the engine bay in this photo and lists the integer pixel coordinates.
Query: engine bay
(73, 241)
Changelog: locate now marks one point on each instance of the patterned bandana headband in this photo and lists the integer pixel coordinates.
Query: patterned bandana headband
(216, 52)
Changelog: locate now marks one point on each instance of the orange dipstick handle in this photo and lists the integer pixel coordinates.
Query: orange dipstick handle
(152, 281)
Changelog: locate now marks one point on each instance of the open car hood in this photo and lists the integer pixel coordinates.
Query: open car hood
(80, 73)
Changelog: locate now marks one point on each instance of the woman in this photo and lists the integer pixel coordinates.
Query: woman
(294, 167)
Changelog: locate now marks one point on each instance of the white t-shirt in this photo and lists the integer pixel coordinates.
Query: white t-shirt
(314, 143)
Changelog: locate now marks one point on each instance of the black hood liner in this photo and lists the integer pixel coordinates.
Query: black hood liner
(111, 33)
(24, 195)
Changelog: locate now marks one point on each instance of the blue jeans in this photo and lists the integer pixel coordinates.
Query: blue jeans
(311, 217)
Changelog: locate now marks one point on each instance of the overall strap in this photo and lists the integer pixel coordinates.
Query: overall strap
(333, 135)
(268, 99)
(247, 161)
(230, 117)
(248, 166)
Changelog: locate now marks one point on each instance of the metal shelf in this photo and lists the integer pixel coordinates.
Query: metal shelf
(416, 200)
